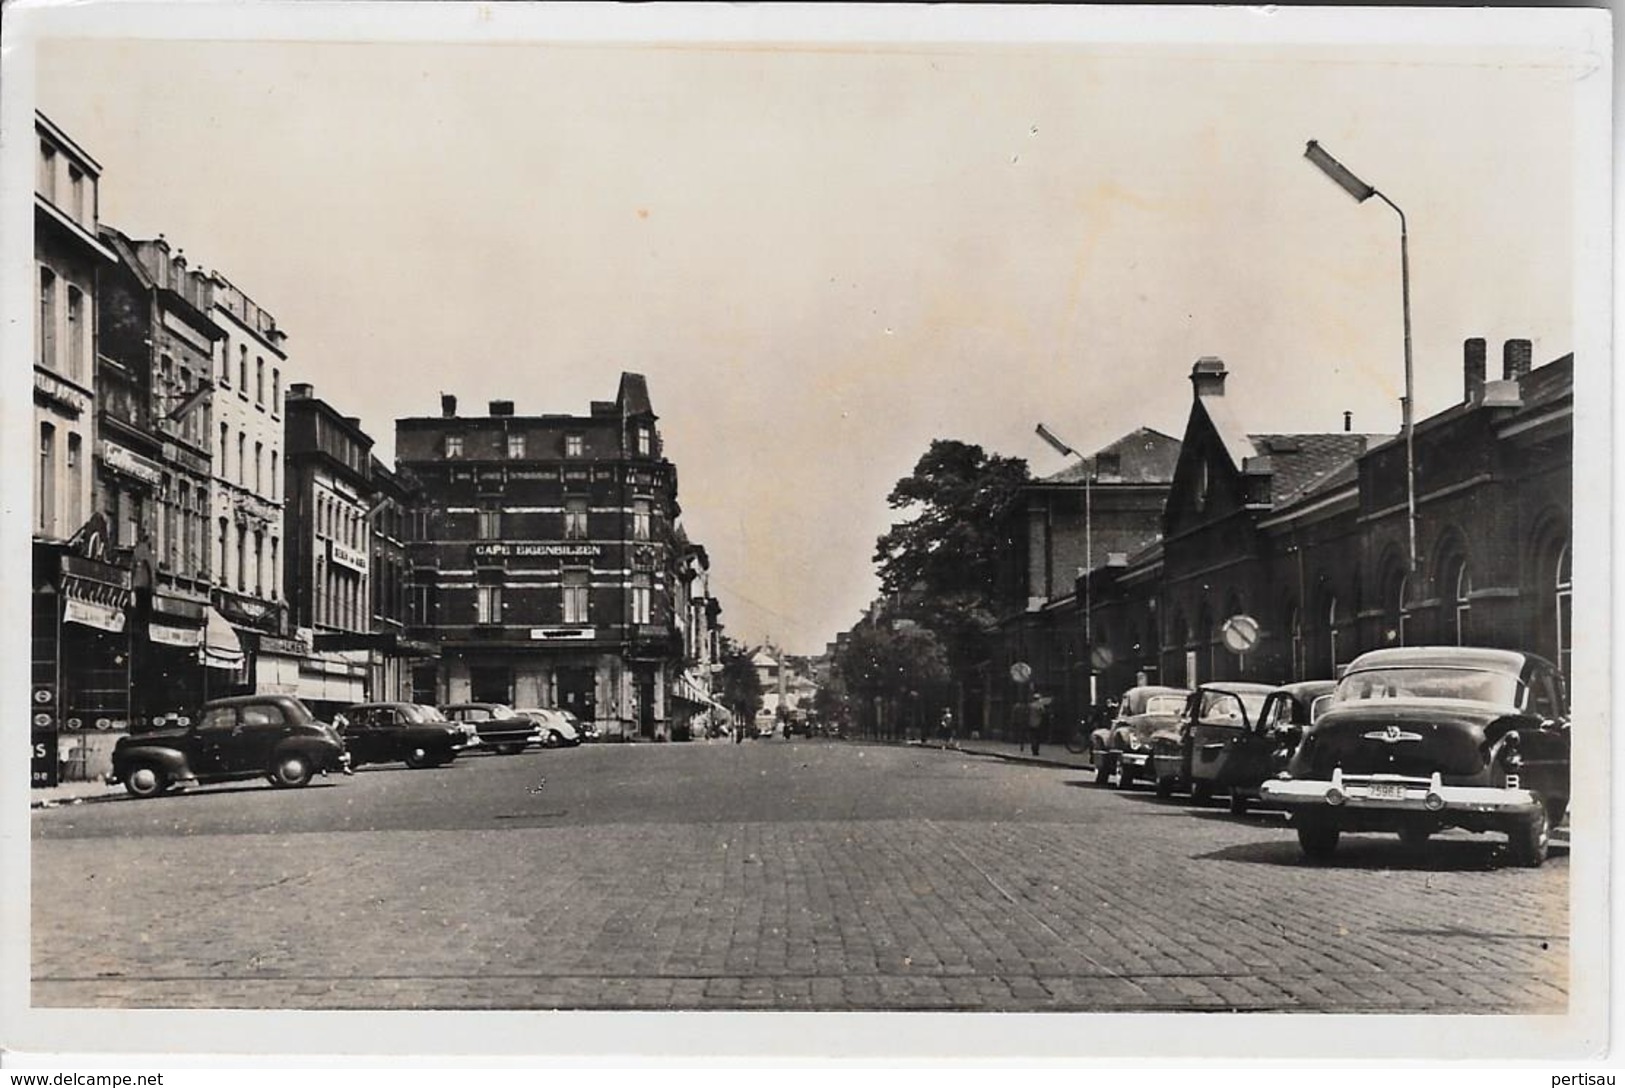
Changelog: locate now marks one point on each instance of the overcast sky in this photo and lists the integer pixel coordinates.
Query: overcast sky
(823, 256)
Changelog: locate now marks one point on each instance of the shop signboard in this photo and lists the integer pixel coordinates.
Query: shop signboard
(174, 636)
(43, 736)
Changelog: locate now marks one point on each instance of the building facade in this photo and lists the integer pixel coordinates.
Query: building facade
(246, 525)
(80, 596)
(327, 572)
(545, 559)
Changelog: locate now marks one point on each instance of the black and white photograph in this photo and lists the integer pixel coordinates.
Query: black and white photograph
(880, 531)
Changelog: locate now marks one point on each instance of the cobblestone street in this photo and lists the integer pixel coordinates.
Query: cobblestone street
(770, 875)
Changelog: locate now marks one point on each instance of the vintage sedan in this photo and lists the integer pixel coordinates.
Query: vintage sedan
(1121, 751)
(419, 736)
(1215, 739)
(557, 732)
(1417, 739)
(243, 737)
(500, 729)
(1268, 746)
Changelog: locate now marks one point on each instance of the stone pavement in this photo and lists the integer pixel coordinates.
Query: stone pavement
(1078, 899)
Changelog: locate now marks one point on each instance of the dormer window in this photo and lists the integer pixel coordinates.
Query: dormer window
(645, 440)
(573, 445)
(516, 447)
(454, 445)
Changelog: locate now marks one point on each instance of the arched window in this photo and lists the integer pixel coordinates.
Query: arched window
(1563, 590)
(1456, 586)
(1331, 633)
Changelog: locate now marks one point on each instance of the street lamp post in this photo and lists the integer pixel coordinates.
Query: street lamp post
(1362, 192)
(1088, 550)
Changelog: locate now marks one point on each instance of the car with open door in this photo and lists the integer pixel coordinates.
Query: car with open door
(1214, 741)
(1288, 711)
(1418, 739)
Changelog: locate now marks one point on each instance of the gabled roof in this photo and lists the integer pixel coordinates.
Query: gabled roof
(1237, 443)
(1144, 456)
(1297, 462)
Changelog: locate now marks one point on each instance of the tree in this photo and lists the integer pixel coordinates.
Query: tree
(741, 687)
(941, 564)
(901, 664)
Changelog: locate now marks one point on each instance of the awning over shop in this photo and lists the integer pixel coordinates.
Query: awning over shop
(91, 614)
(221, 648)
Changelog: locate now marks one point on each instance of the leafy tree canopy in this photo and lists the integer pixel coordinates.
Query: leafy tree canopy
(741, 686)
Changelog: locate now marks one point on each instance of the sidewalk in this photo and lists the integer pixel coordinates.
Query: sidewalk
(1049, 755)
(72, 793)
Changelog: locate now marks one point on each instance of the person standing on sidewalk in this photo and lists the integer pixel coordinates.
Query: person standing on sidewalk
(1037, 719)
(946, 730)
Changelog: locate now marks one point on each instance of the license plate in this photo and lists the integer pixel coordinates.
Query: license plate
(1387, 791)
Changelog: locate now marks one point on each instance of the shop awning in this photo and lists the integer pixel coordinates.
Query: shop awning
(221, 649)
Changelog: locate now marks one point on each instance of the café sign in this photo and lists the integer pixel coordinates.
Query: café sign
(130, 463)
(537, 549)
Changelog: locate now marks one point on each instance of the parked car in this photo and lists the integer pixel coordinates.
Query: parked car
(587, 729)
(557, 732)
(243, 737)
(1214, 739)
(1417, 739)
(500, 729)
(1121, 751)
(1287, 713)
(419, 736)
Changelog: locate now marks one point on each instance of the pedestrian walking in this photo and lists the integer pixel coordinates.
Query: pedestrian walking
(947, 731)
(1037, 719)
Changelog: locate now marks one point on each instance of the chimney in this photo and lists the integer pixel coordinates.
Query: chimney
(1515, 359)
(301, 391)
(502, 407)
(1207, 376)
(448, 405)
(1348, 422)
(1472, 369)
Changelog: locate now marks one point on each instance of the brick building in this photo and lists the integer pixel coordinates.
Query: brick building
(545, 560)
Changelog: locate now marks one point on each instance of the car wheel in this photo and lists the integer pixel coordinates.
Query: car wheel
(1413, 835)
(145, 780)
(552, 740)
(1318, 841)
(1165, 787)
(1239, 803)
(1123, 777)
(1202, 791)
(291, 772)
(417, 759)
(1530, 840)
(1555, 811)
(1103, 771)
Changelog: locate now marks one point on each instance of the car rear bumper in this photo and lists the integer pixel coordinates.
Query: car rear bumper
(1137, 760)
(1379, 793)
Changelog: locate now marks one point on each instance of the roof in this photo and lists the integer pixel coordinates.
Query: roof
(1299, 462)
(633, 396)
(1460, 657)
(1144, 456)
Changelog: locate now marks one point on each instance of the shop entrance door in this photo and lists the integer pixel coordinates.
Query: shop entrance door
(576, 687)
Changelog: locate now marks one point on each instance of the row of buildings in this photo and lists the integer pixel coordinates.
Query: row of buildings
(1127, 567)
(204, 524)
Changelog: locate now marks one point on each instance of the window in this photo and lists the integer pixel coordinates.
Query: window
(1565, 589)
(276, 390)
(225, 527)
(1294, 626)
(276, 482)
(275, 570)
(183, 515)
(645, 440)
(572, 445)
(76, 332)
(259, 479)
(242, 370)
(45, 495)
(220, 719)
(1457, 583)
(259, 380)
(242, 559)
(47, 319)
(259, 564)
(225, 362)
(76, 512)
(575, 519)
(516, 447)
(225, 438)
(242, 457)
(454, 445)
(76, 192)
(45, 182)
(259, 717)
(488, 604)
(1331, 633)
(642, 595)
(490, 524)
(575, 596)
(640, 519)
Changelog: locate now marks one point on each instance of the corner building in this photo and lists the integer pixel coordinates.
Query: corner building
(544, 554)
